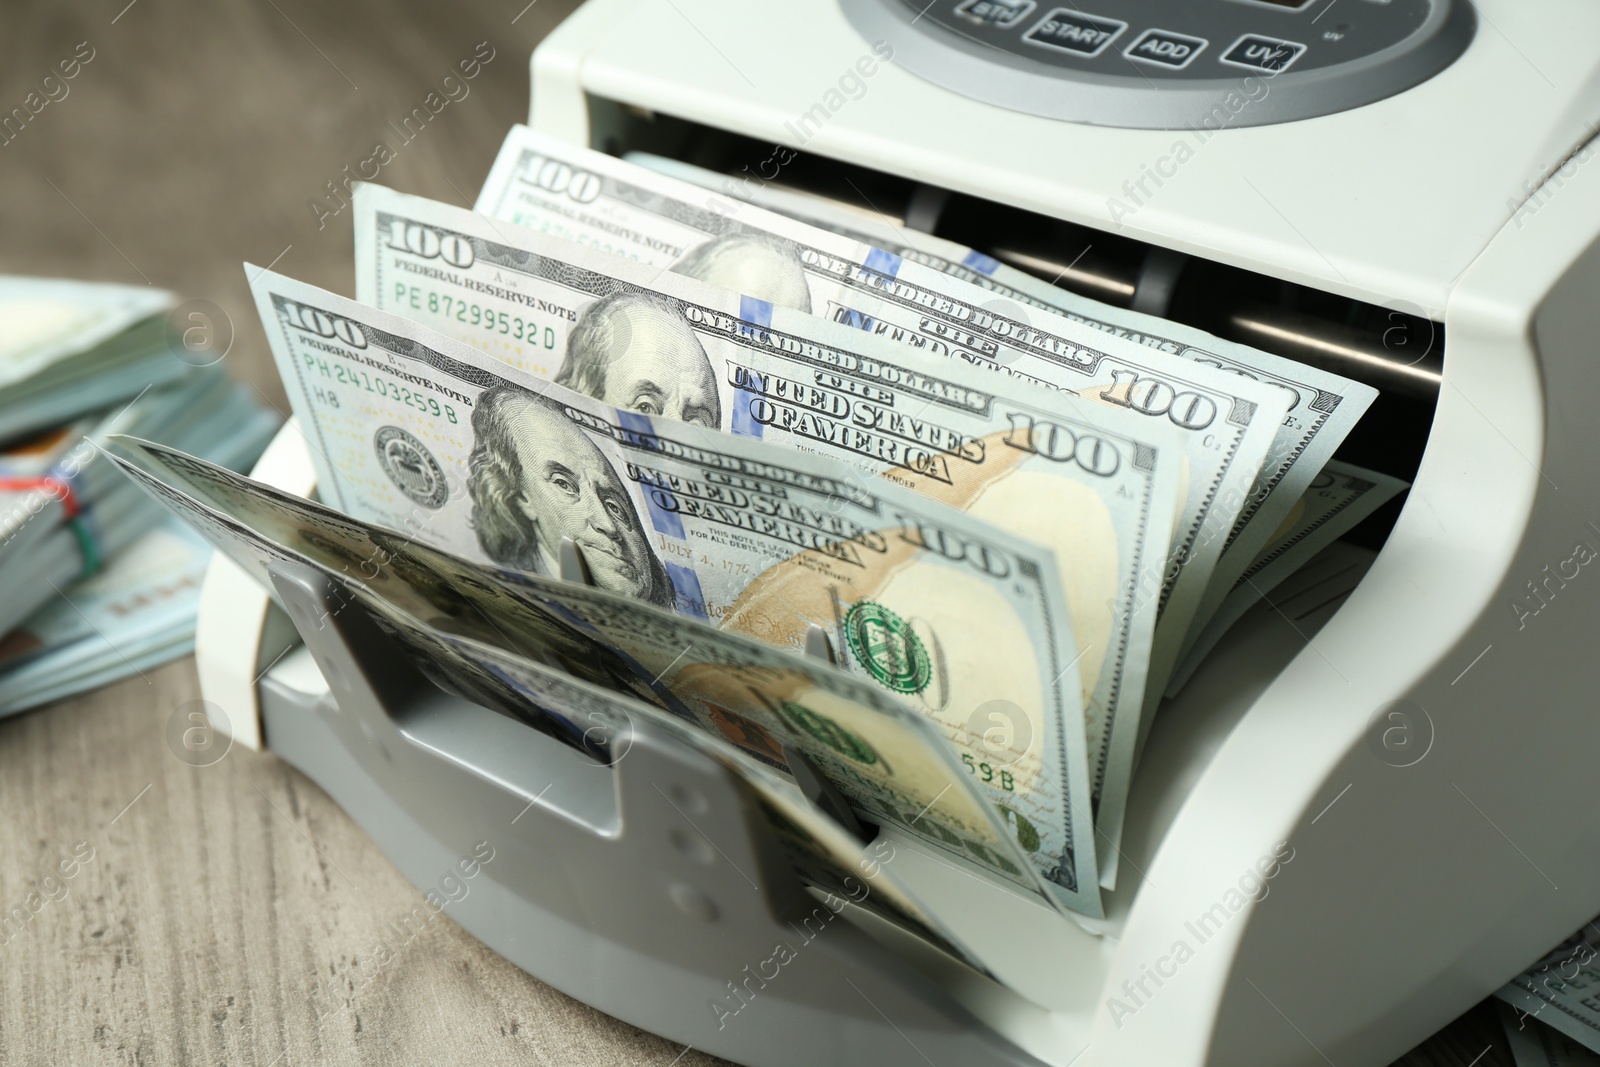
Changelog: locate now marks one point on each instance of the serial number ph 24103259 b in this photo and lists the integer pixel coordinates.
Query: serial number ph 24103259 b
(381, 386)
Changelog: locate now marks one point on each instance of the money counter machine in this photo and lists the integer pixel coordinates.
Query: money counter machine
(1395, 758)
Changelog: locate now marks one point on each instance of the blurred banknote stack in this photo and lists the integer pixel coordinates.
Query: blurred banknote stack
(98, 582)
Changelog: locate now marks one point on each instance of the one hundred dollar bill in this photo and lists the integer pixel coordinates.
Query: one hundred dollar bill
(416, 431)
(1533, 1044)
(1096, 485)
(1562, 989)
(1324, 406)
(1338, 499)
(86, 513)
(1229, 422)
(73, 347)
(137, 613)
(886, 760)
(50, 321)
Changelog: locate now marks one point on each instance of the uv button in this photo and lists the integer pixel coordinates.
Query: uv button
(1263, 53)
(1165, 48)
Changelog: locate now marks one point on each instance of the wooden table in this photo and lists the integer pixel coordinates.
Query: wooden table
(228, 914)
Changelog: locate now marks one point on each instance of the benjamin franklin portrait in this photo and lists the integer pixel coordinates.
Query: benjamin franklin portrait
(536, 478)
(633, 351)
(752, 264)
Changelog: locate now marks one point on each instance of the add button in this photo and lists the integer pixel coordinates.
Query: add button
(1165, 48)
(1066, 30)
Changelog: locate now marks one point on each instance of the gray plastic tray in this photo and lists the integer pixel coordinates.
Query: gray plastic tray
(602, 883)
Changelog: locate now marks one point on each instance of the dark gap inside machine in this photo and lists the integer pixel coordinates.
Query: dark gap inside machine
(1399, 351)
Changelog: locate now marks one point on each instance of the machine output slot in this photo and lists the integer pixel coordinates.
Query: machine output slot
(1399, 350)
(1101, 266)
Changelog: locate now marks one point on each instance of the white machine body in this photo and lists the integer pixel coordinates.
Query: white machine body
(1422, 888)
(1397, 877)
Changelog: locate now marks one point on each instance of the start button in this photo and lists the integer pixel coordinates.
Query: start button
(1066, 30)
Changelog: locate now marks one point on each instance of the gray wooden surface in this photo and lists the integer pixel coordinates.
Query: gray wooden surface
(229, 914)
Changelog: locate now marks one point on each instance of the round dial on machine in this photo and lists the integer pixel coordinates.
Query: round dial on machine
(1171, 64)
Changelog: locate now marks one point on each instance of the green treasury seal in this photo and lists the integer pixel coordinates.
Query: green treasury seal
(411, 467)
(884, 644)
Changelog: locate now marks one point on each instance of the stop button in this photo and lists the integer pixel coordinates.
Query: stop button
(1165, 48)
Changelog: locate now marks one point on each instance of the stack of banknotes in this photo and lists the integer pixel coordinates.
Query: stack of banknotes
(73, 347)
(1551, 1011)
(79, 560)
(811, 489)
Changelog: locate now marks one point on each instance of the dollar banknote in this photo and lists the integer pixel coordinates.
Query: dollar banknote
(1097, 486)
(1338, 499)
(52, 322)
(68, 552)
(429, 435)
(135, 615)
(1562, 989)
(818, 847)
(72, 510)
(72, 347)
(51, 477)
(1323, 407)
(1228, 421)
(34, 476)
(889, 762)
(1533, 1044)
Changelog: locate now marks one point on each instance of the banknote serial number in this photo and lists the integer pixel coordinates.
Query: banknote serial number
(986, 772)
(379, 385)
(515, 327)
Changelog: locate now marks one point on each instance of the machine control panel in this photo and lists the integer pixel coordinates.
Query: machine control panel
(1170, 63)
